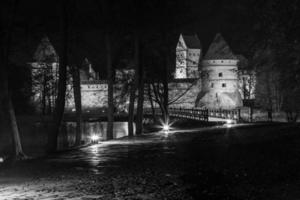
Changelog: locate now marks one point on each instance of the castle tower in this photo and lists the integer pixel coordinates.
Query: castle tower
(188, 52)
(87, 72)
(44, 74)
(219, 77)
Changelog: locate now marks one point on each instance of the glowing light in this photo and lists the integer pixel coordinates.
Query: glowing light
(166, 127)
(1, 160)
(95, 138)
(228, 125)
(229, 121)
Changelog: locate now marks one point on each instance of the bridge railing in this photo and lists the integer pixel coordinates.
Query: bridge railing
(225, 114)
(199, 113)
(194, 113)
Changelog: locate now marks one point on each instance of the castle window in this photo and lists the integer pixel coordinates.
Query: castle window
(223, 84)
(212, 85)
(220, 74)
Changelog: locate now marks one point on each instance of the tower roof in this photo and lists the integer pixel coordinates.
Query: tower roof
(219, 50)
(192, 41)
(45, 52)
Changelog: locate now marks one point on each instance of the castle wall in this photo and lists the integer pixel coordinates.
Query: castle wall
(95, 96)
(184, 94)
(193, 57)
(181, 63)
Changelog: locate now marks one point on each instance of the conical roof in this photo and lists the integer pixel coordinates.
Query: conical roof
(192, 41)
(45, 52)
(86, 63)
(219, 50)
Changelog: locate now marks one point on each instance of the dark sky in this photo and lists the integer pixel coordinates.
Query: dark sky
(239, 21)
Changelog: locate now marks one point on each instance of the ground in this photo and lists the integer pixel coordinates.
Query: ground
(221, 162)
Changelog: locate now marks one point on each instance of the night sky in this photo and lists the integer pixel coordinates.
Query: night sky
(244, 24)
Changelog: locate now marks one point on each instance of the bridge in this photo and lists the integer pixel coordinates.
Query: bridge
(198, 114)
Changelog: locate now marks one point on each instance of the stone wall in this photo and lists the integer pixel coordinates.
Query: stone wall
(94, 97)
(184, 94)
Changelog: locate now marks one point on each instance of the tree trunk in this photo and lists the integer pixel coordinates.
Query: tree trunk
(139, 84)
(251, 113)
(166, 98)
(18, 151)
(135, 85)
(110, 111)
(106, 11)
(151, 102)
(165, 63)
(139, 118)
(131, 109)
(159, 98)
(7, 102)
(77, 100)
(60, 101)
(44, 94)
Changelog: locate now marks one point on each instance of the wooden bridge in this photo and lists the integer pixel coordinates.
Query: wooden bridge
(212, 115)
(206, 115)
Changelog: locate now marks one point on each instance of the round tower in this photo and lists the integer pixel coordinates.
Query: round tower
(219, 78)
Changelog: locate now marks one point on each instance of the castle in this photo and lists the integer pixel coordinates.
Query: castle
(211, 81)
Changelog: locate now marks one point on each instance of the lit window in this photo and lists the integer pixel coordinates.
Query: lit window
(220, 74)
(223, 84)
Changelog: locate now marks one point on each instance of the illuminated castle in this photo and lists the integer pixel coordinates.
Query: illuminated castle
(217, 72)
(213, 81)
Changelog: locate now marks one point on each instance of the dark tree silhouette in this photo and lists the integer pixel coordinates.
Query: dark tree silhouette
(62, 81)
(106, 9)
(77, 100)
(7, 31)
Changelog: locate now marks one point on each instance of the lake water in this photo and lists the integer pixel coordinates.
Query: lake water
(89, 130)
